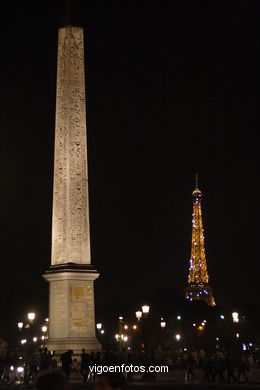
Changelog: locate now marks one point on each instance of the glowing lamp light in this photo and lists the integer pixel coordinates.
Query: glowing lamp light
(20, 325)
(178, 337)
(12, 368)
(235, 316)
(126, 327)
(145, 309)
(47, 320)
(23, 341)
(120, 318)
(163, 324)
(178, 318)
(222, 317)
(44, 328)
(138, 315)
(99, 326)
(237, 335)
(125, 339)
(117, 336)
(134, 327)
(102, 331)
(35, 339)
(31, 316)
(20, 369)
(43, 337)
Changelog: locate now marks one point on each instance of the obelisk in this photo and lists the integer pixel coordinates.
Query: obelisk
(71, 275)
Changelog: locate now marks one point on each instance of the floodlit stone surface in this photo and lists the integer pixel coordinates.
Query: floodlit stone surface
(71, 276)
(70, 230)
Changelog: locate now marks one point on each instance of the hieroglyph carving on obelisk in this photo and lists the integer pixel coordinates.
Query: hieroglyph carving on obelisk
(71, 275)
(70, 224)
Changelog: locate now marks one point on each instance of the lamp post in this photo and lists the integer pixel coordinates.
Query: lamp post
(138, 315)
(31, 317)
(145, 311)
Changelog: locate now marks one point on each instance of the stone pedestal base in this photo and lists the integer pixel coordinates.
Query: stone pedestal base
(71, 308)
(60, 345)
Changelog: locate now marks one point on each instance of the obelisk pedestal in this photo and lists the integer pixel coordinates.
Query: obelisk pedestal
(71, 275)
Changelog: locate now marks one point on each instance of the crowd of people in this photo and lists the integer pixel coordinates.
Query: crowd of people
(219, 367)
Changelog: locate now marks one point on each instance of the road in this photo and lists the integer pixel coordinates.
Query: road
(172, 380)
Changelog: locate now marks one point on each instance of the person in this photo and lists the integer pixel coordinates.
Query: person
(110, 381)
(66, 362)
(191, 364)
(219, 368)
(208, 370)
(230, 364)
(51, 380)
(243, 368)
(44, 360)
(84, 365)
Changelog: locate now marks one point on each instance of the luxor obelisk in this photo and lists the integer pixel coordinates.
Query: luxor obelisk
(71, 275)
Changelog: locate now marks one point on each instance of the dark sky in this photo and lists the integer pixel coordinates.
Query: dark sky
(171, 90)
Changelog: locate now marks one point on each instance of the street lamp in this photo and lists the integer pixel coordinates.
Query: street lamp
(20, 325)
(138, 315)
(44, 328)
(35, 339)
(178, 337)
(99, 326)
(145, 309)
(102, 331)
(235, 316)
(125, 339)
(163, 324)
(23, 341)
(222, 317)
(178, 318)
(47, 320)
(31, 317)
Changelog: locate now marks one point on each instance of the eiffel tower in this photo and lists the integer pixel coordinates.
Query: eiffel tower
(198, 281)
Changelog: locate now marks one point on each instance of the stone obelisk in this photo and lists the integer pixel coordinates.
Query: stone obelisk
(71, 275)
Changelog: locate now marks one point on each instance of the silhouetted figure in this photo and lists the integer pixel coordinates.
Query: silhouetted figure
(191, 363)
(219, 369)
(110, 381)
(66, 362)
(44, 363)
(84, 365)
(230, 365)
(51, 380)
(209, 370)
(31, 368)
(243, 368)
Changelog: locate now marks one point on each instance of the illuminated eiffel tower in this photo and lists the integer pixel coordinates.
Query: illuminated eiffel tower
(198, 281)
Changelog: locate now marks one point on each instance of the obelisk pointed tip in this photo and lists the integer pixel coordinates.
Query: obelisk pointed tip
(71, 14)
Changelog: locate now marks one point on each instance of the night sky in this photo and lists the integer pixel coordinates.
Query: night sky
(171, 91)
